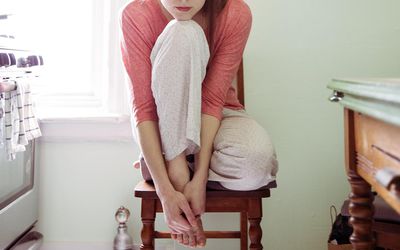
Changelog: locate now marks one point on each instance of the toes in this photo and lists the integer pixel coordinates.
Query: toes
(192, 240)
(179, 238)
(200, 235)
(201, 242)
(185, 239)
(174, 236)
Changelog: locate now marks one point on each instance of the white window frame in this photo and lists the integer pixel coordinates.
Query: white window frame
(107, 84)
(102, 115)
(94, 100)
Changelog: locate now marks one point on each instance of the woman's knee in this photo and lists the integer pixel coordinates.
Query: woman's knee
(263, 161)
(262, 156)
(183, 36)
(244, 153)
(180, 50)
(252, 172)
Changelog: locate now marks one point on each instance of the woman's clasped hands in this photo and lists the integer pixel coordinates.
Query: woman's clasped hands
(182, 214)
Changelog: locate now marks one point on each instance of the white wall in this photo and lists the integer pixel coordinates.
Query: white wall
(81, 187)
(295, 48)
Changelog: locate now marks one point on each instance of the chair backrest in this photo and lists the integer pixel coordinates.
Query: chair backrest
(240, 83)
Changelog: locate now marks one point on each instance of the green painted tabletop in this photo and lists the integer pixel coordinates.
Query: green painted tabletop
(376, 97)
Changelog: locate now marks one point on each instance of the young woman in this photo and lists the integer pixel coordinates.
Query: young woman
(181, 57)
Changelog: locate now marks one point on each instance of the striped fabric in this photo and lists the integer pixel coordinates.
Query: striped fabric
(19, 122)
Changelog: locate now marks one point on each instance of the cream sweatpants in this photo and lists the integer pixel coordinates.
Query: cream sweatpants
(244, 157)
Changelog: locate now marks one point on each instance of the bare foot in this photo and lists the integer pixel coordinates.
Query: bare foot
(188, 240)
(199, 234)
(179, 175)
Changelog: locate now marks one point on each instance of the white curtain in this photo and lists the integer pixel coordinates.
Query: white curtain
(116, 91)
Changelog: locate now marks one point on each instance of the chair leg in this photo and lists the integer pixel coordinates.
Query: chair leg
(148, 217)
(243, 231)
(255, 231)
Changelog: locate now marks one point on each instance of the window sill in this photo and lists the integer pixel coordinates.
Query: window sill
(85, 127)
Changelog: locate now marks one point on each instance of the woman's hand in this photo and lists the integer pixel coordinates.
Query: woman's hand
(177, 212)
(195, 190)
(195, 193)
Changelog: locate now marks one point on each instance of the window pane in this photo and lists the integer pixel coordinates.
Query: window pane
(61, 31)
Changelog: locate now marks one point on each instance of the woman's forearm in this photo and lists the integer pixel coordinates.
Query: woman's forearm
(150, 143)
(209, 128)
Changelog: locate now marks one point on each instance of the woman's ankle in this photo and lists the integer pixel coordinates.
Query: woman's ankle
(178, 172)
(178, 180)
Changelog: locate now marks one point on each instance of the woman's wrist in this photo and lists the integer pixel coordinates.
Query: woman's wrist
(200, 177)
(164, 189)
(201, 168)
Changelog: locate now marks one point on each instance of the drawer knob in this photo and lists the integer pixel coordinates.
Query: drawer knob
(390, 179)
(336, 96)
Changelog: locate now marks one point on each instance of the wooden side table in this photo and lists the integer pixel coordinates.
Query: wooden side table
(372, 148)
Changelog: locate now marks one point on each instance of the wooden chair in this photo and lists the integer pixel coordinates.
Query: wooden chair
(247, 203)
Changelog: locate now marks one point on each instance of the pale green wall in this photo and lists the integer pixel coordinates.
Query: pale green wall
(295, 48)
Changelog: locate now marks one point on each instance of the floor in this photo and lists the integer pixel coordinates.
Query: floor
(78, 246)
(87, 246)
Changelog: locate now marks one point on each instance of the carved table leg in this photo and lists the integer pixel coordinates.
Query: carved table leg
(361, 211)
(148, 218)
(255, 231)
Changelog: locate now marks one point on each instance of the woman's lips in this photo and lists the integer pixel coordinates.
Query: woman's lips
(184, 9)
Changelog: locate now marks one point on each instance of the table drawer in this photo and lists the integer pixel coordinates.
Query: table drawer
(378, 153)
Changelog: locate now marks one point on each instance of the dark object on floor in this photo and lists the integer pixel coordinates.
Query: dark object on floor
(386, 226)
(341, 229)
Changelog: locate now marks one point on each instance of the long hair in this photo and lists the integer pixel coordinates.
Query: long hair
(211, 9)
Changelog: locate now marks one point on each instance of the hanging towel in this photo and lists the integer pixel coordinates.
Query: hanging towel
(20, 123)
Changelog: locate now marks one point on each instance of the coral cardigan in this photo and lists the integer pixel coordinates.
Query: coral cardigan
(142, 21)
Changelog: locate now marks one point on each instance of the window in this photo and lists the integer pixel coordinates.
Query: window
(79, 43)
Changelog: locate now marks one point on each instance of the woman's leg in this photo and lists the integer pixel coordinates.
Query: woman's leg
(244, 157)
(179, 60)
(178, 172)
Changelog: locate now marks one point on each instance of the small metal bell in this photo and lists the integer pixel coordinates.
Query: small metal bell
(122, 241)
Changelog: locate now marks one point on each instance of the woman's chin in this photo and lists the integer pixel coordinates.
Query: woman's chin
(183, 17)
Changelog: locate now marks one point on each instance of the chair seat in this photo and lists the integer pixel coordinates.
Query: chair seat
(145, 189)
(247, 203)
